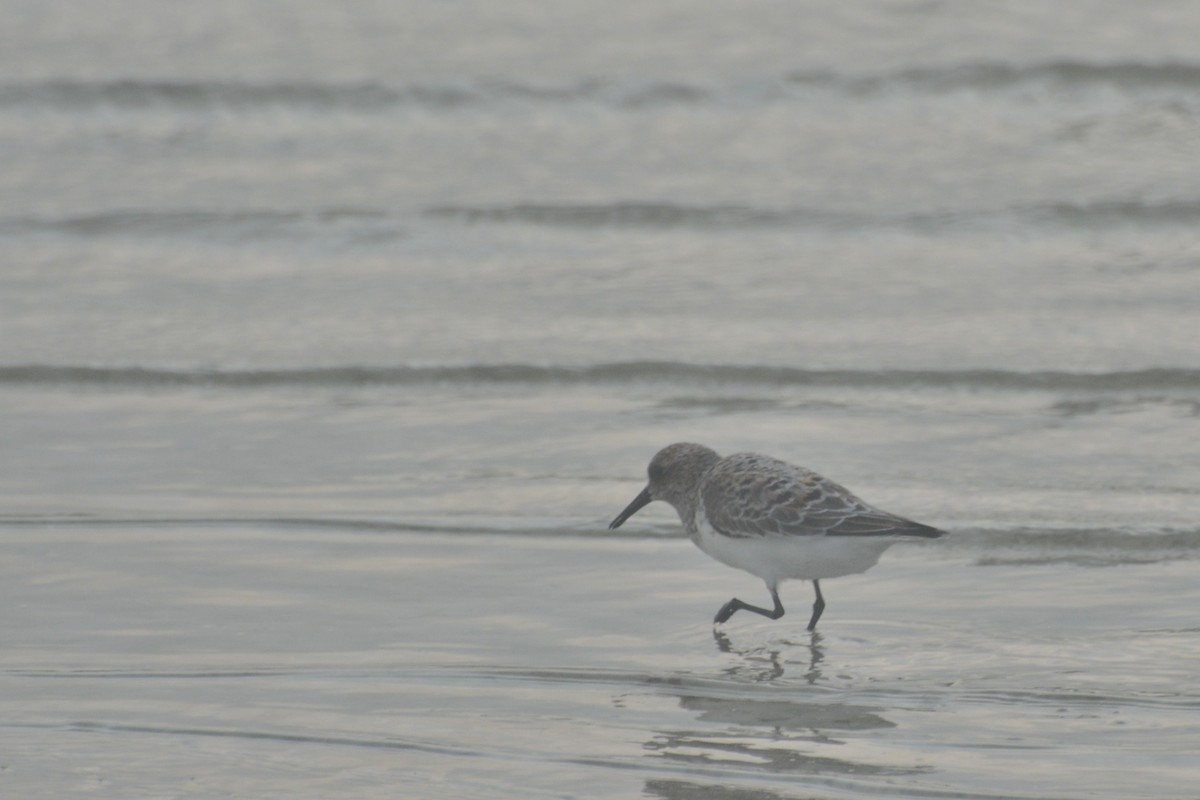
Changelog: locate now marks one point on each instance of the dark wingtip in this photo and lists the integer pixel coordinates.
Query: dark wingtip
(926, 531)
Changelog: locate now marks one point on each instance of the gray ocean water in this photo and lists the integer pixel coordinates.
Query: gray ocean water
(333, 335)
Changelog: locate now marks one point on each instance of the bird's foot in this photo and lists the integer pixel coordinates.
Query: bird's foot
(726, 612)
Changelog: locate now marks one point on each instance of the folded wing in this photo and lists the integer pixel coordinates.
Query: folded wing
(749, 495)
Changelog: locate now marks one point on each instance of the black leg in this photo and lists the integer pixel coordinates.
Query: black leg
(736, 605)
(818, 606)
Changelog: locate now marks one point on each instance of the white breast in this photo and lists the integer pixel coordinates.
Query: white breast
(777, 558)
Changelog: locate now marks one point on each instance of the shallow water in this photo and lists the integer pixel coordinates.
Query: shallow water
(332, 337)
(287, 659)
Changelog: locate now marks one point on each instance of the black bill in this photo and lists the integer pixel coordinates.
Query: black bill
(638, 503)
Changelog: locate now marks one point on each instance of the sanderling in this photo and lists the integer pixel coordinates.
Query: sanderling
(770, 518)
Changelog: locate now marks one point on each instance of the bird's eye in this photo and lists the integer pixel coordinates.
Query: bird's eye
(656, 473)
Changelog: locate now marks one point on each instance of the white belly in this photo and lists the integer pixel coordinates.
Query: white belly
(777, 558)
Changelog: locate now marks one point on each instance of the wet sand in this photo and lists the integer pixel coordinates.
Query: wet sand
(270, 660)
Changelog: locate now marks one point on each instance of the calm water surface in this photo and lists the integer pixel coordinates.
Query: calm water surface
(332, 338)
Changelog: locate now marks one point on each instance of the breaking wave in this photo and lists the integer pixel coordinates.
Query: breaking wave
(1057, 77)
(659, 372)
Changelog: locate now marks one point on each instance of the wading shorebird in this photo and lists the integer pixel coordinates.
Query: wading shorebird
(771, 519)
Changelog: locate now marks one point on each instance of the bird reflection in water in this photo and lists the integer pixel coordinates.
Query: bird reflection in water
(760, 716)
(766, 662)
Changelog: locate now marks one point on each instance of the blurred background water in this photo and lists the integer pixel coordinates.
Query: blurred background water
(331, 337)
